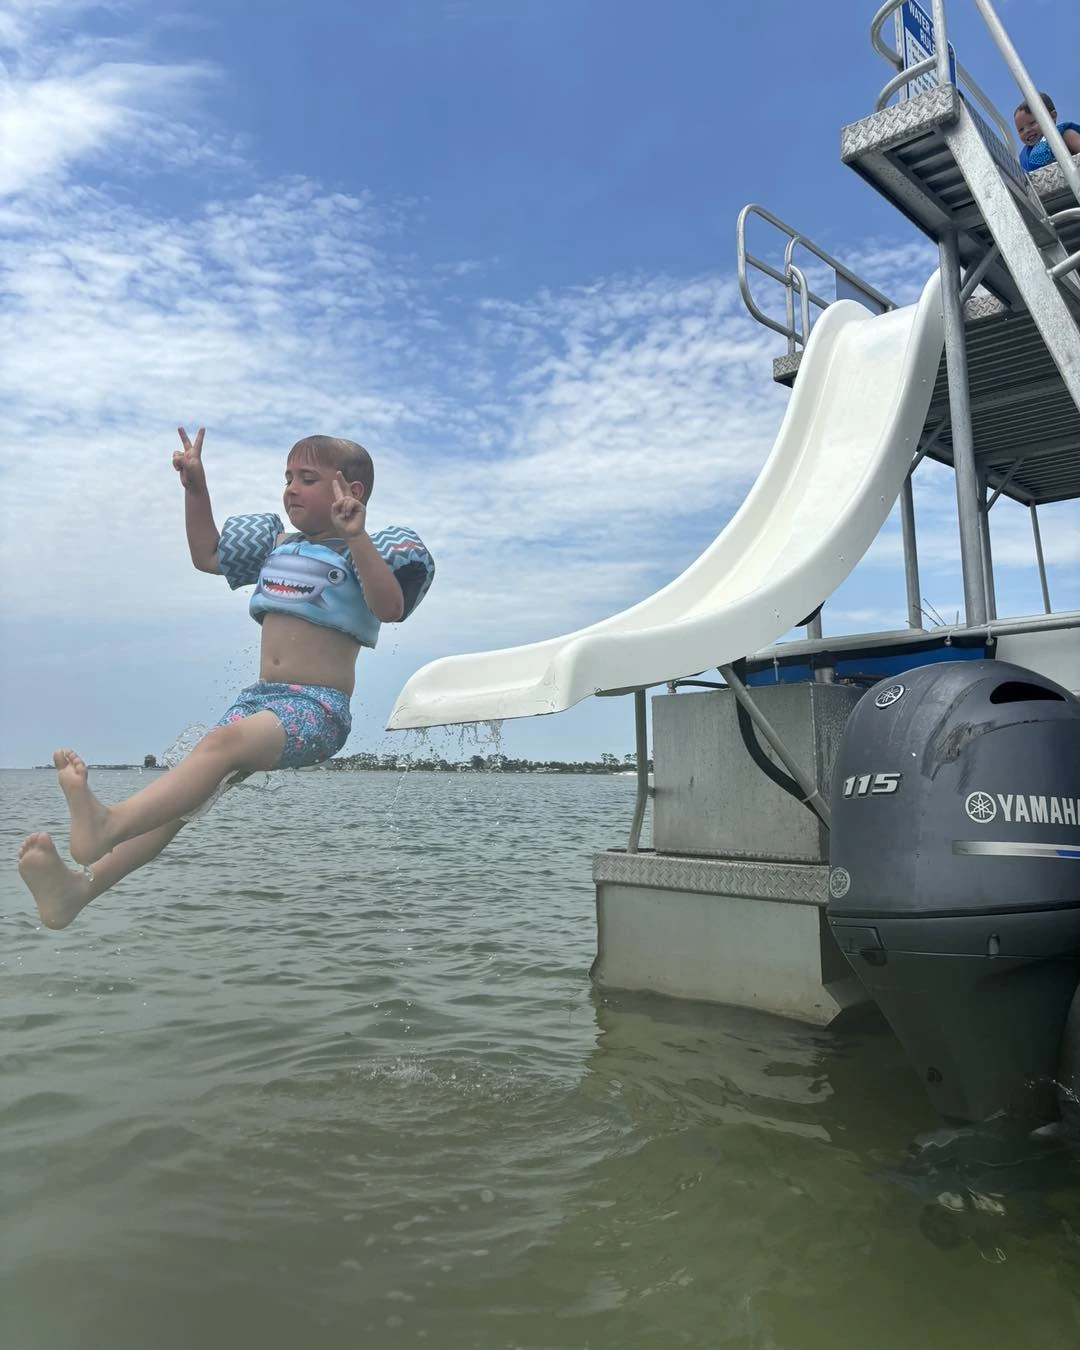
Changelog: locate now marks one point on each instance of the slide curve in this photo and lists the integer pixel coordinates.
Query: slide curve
(837, 466)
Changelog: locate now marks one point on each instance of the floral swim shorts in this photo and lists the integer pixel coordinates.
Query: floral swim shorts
(317, 721)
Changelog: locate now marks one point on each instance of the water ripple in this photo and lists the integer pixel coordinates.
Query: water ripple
(349, 1084)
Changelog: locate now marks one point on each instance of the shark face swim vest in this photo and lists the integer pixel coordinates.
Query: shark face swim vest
(317, 581)
(312, 582)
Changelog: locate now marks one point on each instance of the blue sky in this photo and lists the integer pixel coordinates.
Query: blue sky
(495, 242)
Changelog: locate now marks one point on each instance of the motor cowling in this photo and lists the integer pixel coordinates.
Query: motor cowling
(954, 877)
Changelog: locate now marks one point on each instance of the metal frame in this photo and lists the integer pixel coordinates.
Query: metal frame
(999, 191)
(800, 284)
(975, 274)
(989, 632)
(985, 503)
(1031, 94)
(1072, 262)
(1039, 555)
(1001, 144)
(823, 674)
(1039, 290)
(644, 792)
(939, 62)
(911, 553)
(967, 483)
(793, 278)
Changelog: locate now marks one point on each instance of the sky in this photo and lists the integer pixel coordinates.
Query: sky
(494, 240)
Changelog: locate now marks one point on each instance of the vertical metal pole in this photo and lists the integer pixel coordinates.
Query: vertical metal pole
(911, 555)
(1039, 554)
(799, 278)
(987, 551)
(941, 43)
(967, 480)
(641, 747)
(789, 309)
(822, 674)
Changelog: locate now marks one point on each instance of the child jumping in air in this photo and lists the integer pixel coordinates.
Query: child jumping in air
(320, 595)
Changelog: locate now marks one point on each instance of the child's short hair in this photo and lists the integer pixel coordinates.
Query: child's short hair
(1026, 107)
(331, 452)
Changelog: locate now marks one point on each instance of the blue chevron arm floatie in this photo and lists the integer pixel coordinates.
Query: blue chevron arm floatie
(318, 582)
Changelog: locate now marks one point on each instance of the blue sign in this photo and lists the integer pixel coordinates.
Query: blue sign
(915, 41)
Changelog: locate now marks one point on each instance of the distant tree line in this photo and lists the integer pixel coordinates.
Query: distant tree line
(498, 763)
(366, 759)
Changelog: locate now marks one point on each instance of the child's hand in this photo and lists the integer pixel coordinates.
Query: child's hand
(188, 462)
(348, 513)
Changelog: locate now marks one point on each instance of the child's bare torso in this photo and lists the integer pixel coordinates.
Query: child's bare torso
(294, 651)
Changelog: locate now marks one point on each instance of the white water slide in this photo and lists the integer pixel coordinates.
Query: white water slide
(837, 466)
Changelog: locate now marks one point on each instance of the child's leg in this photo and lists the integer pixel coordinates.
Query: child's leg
(255, 743)
(61, 893)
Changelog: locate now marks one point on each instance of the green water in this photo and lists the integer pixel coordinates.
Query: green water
(332, 1074)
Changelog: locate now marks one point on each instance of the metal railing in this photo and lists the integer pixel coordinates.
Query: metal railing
(938, 64)
(1072, 262)
(1018, 70)
(793, 278)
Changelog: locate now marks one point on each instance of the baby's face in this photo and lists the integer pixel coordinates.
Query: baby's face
(1027, 128)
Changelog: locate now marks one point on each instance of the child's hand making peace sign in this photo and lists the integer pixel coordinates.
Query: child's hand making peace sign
(188, 462)
(348, 513)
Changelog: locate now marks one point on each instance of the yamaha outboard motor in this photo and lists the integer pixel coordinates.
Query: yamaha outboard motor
(955, 878)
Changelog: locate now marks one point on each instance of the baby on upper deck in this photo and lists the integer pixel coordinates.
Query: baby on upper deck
(321, 594)
(1036, 152)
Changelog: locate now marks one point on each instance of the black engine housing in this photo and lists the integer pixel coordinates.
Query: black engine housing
(955, 876)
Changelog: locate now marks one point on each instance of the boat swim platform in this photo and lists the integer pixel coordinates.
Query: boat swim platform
(739, 867)
(694, 928)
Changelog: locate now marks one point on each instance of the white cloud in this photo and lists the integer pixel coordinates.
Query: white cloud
(67, 99)
(594, 424)
(898, 270)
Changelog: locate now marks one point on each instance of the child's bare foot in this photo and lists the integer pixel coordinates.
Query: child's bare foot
(89, 819)
(59, 892)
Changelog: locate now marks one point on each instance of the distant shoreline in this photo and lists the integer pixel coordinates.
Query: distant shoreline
(364, 763)
(608, 766)
(146, 768)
